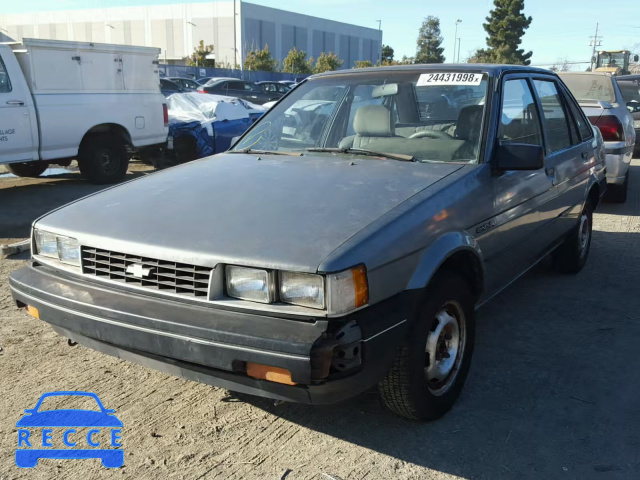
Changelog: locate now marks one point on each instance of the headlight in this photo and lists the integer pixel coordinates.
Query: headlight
(65, 249)
(250, 284)
(302, 289)
(347, 291)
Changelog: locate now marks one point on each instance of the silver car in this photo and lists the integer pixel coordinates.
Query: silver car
(599, 96)
(344, 242)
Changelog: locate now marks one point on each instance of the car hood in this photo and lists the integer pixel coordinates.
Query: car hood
(273, 211)
(69, 418)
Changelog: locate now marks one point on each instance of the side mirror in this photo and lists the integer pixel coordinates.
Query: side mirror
(519, 156)
(635, 58)
(633, 107)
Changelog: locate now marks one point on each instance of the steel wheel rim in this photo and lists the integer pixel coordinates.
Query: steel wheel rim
(444, 348)
(583, 235)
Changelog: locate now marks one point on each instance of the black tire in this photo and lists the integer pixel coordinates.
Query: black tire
(185, 148)
(27, 169)
(103, 159)
(618, 193)
(571, 255)
(407, 389)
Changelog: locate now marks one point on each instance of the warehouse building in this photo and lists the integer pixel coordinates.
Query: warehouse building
(233, 27)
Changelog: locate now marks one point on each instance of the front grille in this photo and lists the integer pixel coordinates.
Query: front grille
(160, 275)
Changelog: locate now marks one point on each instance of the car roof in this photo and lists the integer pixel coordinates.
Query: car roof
(491, 69)
(180, 78)
(601, 74)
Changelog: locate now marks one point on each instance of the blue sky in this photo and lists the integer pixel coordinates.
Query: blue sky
(560, 28)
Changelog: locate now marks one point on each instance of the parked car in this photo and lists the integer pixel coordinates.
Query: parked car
(289, 83)
(271, 87)
(188, 84)
(240, 89)
(109, 108)
(599, 96)
(168, 87)
(630, 89)
(344, 247)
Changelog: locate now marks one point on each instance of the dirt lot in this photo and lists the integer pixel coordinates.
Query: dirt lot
(553, 391)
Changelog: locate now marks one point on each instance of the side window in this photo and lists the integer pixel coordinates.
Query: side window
(5, 84)
(519, 117)
(235, 85)
(584, 127)
(555, 120)
(248, 86)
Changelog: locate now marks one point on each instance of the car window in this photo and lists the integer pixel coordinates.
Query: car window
(584, 127)
(5, 84)
(395, 112)
(268, 87)
(553, 115)
(283, 88)
(630, 90)
(519, 122)
(589, 86)
(190, 84)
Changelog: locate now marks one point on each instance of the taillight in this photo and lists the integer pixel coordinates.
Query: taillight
(201, 90)
(165, 112)
(610, 127)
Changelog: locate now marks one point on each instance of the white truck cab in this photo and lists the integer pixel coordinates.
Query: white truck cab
(92, 102)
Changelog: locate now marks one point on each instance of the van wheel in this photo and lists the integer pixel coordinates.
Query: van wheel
(431, 367)
(103, 159)
(27, 169)
(572, 254)
(618, 193)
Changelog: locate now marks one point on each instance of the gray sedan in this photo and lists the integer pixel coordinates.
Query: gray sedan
(599, 96)
(344, 242)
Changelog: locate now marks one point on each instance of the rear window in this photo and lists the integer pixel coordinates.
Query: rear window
(590, 87)
(630, 90)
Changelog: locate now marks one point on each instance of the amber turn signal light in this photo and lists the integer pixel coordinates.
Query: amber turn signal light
(360, 285)
(273, 374)
(33, 311)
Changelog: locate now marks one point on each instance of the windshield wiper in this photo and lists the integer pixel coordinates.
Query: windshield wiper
(266, 152)
(370, 153)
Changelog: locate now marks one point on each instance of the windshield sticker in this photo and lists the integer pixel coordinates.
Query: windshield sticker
(449, 79)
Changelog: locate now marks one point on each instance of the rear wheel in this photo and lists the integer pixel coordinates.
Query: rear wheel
(571, 256)
(103, 159)
(431, 367)
(28, 169)
(618, 193)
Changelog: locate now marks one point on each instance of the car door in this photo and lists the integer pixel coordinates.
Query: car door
(569, 157)
(18, 137)
(511, 241)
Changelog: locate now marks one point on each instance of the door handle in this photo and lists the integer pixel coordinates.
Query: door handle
(15, 102)
(585, 156)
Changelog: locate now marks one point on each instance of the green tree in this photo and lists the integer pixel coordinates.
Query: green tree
(327, 63)
(296, 62)
(363, 64)
(387, 54)
(429, 41)
(261, 60)
(199, 56)
(505, 27)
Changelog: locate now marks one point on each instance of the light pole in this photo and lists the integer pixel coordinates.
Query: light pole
(380, 37)
(455, 40)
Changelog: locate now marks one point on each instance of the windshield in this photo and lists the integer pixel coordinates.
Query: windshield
(612, 59)
(590, 87)
(435, 116)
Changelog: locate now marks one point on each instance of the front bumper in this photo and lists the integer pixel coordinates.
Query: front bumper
(212, 345)
(617, 160)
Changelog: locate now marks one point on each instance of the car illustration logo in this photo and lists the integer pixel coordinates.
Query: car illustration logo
(78, 433)
(138, 270)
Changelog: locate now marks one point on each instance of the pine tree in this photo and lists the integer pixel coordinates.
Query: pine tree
(429, 41)
(261, 60)
(199, 56)
(327, 62)
(506, 25)
(296, 62)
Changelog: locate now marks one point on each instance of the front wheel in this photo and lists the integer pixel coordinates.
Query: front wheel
(571, 255)
(27, 169)
(431, 367)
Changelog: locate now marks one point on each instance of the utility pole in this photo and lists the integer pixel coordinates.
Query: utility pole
(455, 40)
(596, 42)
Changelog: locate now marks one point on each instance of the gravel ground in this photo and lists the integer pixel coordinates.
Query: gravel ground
(552, 393)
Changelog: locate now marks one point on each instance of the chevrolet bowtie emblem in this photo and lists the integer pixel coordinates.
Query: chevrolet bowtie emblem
(138, 270)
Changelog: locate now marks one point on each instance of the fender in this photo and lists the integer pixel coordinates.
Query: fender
(434, 256)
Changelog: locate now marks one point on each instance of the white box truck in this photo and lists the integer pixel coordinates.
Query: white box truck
(92, 102)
